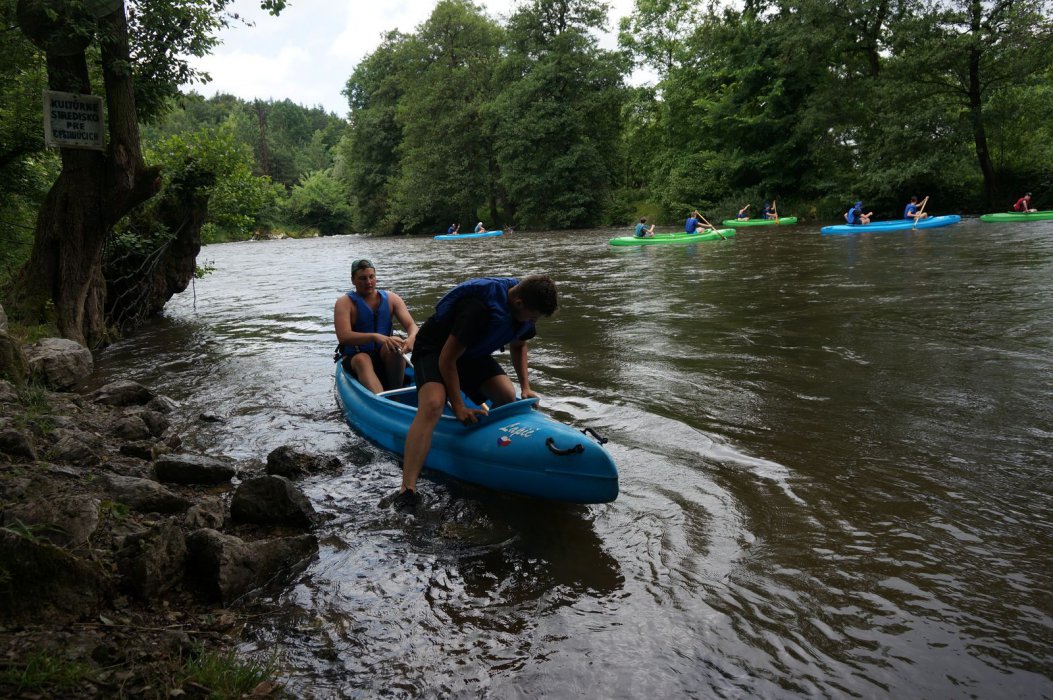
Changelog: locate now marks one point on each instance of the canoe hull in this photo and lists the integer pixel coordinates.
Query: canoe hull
(783, 221)
(999, 217)
(673, 238)
(514, 449)
(894, 225)
(462, 236)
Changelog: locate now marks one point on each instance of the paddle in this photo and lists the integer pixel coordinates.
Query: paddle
(921, 209)
(712, 227)
(775, 211)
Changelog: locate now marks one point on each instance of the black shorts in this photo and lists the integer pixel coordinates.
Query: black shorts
(472, 371)
(378, 365)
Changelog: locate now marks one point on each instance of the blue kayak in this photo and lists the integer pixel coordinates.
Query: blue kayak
(459, 236)
(514, 448)
(893, 225)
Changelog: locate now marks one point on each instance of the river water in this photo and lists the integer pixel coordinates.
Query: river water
(835, 458)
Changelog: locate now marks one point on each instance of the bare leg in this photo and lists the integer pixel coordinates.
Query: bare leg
(431, 399)
(394, 368)
(499, 389)
(363, 366)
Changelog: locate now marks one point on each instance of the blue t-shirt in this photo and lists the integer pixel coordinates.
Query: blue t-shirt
(640, 230)
(691, 225)
(911, 209)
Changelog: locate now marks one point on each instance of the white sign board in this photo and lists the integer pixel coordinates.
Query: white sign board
(73, 121)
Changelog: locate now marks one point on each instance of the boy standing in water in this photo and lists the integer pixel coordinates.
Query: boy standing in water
(453, 353)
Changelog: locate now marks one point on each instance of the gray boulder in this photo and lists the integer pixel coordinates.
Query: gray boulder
(206, 513)
(287, 461)
(192, 469)
(123, 392)
(44, 580)
(271, 500)
(153, 561)
(17, 444)
(8, 393)
(73, 447)
(59, 363)
(66, 521)
(145, 496)
(225, 567)
(13, 363)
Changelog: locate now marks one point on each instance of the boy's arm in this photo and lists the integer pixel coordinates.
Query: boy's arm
(518, 351)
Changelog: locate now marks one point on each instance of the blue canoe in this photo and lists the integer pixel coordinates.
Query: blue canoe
(459, 236)
(893, 225)
(514, 449)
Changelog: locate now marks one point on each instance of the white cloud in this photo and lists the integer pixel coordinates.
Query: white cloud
(307, 53)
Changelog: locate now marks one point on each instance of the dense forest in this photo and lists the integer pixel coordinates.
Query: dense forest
(525, 122)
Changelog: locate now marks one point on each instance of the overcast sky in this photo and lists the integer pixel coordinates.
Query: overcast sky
(308, 52)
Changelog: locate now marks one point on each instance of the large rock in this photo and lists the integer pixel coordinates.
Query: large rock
(192, 469)
(59, 363)
(271, 500)
(13, 363)
(8, 393)
(152, 562)
(66, 521)
(123, 392)
(287, 461)
(73, 447)
(225, 567)
(145, 496)
(17, 444)
(42, 580)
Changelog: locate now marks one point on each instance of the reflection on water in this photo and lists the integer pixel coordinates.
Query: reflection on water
(834, 457)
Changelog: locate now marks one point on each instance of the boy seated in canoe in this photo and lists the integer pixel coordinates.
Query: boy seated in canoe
(855, 215)
(453, 353)
(769, 215)
(363, 322)
(1023, 205)
(744, 214)
(911, 212)
(642, 231)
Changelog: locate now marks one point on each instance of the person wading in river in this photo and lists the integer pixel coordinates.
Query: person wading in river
(362, 319)
(454, 354)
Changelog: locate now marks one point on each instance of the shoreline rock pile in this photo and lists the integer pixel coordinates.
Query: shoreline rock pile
(108, 532)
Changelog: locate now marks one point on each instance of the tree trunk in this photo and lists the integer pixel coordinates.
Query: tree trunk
(976, 114)
(62, 281)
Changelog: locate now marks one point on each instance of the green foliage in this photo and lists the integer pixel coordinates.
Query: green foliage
(321, 202)
(40, 672)
(226, 675)
(211, 162)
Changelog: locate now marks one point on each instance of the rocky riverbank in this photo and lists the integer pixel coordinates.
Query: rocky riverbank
(127, 566)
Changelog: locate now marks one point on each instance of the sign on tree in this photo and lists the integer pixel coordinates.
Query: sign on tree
(72, 120)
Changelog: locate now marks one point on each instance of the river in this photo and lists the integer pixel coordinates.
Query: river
(835, 456)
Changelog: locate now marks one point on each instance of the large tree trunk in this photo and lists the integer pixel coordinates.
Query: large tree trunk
(976, 115)
(62, 281)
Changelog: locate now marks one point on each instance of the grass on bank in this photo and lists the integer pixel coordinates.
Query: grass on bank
(216, 675)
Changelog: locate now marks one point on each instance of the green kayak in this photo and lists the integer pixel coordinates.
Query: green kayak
(1018, 216)
(661, 238)
(783, 221)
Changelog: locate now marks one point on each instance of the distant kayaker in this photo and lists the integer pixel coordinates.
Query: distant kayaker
(454, 354)
(642, 231)
(693, 223)
(743, 214)
(768, 214)
(855, 215)
(911, 213)
(479, 228)
(1023, 204)
(453, 230)
(363, 321)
